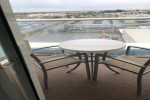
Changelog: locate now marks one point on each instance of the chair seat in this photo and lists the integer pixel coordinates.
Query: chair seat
(128, 66)
(57, 63)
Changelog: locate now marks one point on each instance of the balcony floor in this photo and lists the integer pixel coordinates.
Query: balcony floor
(109, 86)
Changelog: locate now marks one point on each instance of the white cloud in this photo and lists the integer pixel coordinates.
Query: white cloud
(80, 4)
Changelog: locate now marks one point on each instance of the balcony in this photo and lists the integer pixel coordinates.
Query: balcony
(63, 86)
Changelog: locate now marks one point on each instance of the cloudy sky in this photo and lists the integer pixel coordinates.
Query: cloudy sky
(74, 5)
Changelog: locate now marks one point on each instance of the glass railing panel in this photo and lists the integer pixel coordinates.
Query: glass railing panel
(135, 31)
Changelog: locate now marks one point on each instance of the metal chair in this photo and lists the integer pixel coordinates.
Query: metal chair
(46, 61)
(136, 65)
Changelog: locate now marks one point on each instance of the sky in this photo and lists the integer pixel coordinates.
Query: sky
(77, 5)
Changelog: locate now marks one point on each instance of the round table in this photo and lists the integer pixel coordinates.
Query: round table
(92, 46)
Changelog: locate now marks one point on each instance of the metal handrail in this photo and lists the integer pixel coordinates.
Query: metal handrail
(84, 19)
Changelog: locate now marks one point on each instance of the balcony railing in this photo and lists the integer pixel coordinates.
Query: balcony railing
(45, 32)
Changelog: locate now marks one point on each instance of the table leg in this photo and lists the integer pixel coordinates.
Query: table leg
(87, 66)
(95, 67)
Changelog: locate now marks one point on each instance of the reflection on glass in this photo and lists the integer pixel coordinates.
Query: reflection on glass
(3, 59)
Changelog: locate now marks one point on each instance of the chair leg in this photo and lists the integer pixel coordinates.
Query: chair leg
(73, 68)
(111, 69)
(96, 68)
(45, 79)
(139, 84)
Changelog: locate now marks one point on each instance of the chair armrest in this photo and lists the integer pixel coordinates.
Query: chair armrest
(51, 48)
(129, 47)
(127, 61)
(63, 57)
(122, 60)
(147, 63)
(45, 47)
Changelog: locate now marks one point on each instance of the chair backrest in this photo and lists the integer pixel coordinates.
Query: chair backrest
(37, 61)
(35, 58)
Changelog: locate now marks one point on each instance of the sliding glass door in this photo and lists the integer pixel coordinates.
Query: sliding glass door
(18, 80)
